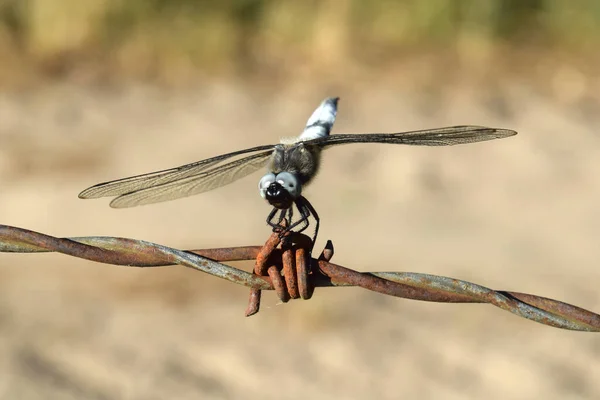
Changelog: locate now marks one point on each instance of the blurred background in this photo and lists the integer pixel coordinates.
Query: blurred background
(101, 89)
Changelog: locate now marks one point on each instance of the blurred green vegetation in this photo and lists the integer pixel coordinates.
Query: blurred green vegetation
(184, 38)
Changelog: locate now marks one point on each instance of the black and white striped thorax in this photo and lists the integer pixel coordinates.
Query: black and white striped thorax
(291, 165)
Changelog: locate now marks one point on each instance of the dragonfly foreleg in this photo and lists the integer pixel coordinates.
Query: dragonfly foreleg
(275, 225)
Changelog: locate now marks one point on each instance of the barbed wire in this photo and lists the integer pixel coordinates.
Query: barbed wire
(286, 267)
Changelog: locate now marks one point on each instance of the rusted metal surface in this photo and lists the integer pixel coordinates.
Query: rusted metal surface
(305, 289)
(293, 274)
(253, 302)
(289, 270)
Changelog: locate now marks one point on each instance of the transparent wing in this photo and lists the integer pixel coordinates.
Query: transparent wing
(429, 137)
(191, 185)
(139, 182)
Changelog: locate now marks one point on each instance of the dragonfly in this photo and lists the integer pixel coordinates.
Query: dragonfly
(291, 165)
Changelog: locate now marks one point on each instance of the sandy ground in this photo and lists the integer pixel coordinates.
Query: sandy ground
(520, 214)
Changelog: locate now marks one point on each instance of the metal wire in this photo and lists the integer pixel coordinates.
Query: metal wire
(287, 268)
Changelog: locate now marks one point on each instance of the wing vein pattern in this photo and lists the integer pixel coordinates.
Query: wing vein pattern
(429, 137)
(195, 184)
(144, 181)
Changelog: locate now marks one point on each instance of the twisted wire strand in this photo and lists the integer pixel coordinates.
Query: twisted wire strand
(409, 285)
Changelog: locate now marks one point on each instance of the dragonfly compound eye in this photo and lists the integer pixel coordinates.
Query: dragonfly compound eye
(290, 183)
(264, 183)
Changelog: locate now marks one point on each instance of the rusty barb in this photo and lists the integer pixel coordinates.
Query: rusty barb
(286, 267)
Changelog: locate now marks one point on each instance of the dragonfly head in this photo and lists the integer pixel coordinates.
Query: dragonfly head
(280, 190)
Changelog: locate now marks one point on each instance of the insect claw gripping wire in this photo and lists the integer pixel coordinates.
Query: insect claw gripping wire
(301, 273)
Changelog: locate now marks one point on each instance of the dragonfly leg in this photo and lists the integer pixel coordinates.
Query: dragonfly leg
(290, 215)
(306, 209)
(302, 221)
(271, 217)
(281, 219)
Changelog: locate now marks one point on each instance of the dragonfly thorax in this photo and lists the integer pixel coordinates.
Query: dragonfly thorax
(299, 159)
(280, 190)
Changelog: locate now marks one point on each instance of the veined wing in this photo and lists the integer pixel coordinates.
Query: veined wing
(190, 185)
(429, 137)
(152, 179)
